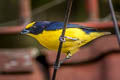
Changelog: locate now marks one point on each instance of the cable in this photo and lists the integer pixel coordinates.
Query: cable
(114, 21)
(66, 19)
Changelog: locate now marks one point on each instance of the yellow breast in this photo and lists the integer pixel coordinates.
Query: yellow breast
(50, 39)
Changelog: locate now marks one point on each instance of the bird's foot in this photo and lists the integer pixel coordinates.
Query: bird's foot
(57, 66)
(61, 62)
(66, 58)
(63, 38)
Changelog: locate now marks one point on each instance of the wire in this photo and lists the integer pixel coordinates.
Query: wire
(66, 19)
(114, 21)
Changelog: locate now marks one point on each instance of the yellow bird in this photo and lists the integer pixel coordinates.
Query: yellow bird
(48, 34)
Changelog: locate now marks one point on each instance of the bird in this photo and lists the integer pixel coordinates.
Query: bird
(48, 34)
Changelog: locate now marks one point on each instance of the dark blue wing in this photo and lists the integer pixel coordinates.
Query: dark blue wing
(59, 25)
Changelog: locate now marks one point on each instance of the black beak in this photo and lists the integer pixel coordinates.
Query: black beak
(25, 31)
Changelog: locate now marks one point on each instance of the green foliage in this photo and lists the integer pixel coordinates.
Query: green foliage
(8, 10)
(37, 3)
(104, 7)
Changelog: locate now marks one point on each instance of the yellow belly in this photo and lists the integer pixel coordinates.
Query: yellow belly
(50, 39)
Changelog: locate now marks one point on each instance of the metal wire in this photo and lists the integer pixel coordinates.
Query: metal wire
(114, 21)
(66, 19)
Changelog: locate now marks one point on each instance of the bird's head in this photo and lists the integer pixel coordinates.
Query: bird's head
(35, 28)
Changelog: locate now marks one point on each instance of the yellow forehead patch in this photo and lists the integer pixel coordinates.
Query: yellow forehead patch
(30, 25)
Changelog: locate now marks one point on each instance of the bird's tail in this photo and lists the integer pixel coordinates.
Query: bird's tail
(95, 36)
(106, 33)
(100, 34)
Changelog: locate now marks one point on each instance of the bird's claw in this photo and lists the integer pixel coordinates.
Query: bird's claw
(63, 38)
(57, 66)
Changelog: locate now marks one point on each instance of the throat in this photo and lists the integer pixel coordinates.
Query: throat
(32, 35)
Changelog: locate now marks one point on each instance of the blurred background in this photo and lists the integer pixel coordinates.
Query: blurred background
(50, 10)
(15, 13)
